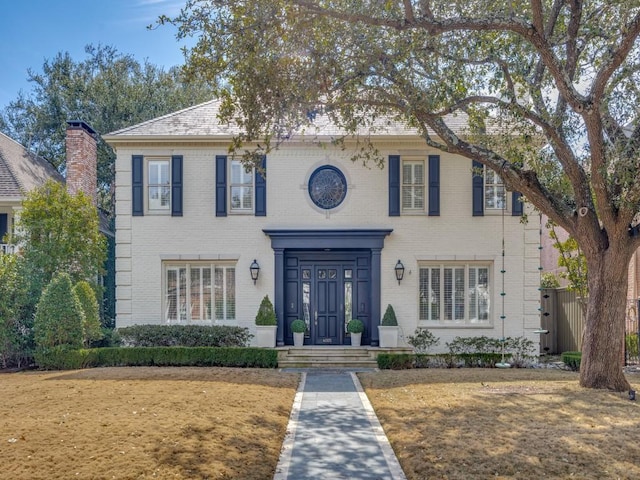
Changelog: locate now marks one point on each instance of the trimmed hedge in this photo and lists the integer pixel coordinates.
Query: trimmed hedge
(401, 361)
(184, 336)
(572, 360)
(396, 361)
(66, 359)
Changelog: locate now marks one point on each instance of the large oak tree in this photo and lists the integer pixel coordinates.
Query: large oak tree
(549, 89)
(108, 89)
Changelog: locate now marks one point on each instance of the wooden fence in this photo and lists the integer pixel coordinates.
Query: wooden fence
(562, 316)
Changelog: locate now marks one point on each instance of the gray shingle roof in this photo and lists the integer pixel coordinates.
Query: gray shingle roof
(202, 121)
(22, 170)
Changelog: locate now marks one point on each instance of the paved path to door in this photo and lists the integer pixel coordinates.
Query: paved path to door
(334, 434)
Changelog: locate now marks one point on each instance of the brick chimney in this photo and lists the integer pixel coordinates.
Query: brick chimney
(82, 159)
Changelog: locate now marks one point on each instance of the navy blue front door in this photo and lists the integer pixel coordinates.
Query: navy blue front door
(326, 290)
(358, 247)
(326, 302)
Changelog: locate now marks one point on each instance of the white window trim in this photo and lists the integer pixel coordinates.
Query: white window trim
(147, 186)
(230, 185)
(413, 211)
(188, 265)
(494, 210)
(466, 322)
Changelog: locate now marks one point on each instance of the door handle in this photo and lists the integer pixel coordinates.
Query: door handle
(315, 314)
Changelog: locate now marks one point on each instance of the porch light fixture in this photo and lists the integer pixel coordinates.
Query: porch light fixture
(399, 268)
(255, 271)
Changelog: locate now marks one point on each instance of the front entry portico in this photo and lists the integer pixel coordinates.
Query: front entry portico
(327, 277)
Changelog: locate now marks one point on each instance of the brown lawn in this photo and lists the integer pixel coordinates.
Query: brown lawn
(223, 423)
(141, 423)
(521, 424)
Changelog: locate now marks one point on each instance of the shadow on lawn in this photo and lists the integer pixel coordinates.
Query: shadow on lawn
(245, 457)
(507, 428)
(240, 376)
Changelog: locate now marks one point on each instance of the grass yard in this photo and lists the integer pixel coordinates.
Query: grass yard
(142, 423)
(519, 424)
(224, 423)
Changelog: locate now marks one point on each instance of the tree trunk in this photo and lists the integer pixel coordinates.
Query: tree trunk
(603, 343)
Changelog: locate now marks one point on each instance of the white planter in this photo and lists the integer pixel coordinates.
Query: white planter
(266, 335)
(388, 336)
(356, 338)
(298, 339)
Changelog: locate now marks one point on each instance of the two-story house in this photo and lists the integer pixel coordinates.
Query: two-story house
(328, 239)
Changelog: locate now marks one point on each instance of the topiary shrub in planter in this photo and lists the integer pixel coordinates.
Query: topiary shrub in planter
(298, 327)
(355, 327)
(266, 324)
(388, 329)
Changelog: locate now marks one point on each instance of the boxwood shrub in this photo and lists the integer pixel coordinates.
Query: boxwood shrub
(572, 360)
(65, 359)
(184, 336)
(395, 361)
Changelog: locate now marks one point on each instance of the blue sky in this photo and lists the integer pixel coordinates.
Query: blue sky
(34, 30)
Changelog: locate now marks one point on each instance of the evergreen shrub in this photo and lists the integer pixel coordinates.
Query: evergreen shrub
(266, 314)
(59, 317)
(572, 360)
(184, 336)
(91, 330)
(61, 358)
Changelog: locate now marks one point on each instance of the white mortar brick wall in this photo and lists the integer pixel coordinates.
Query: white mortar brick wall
(142, 242)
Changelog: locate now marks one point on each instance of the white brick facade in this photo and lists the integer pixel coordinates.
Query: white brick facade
(144, 242)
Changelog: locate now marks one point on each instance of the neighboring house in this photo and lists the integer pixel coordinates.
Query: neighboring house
(326, 233)
(20, 172)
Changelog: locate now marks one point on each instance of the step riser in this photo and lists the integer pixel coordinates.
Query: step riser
(328, 365)
(330, 357)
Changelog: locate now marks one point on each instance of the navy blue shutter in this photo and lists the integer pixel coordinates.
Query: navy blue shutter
(137, 186)
(478, 189)
(516, 204)
(434, 185)
(221, 185)
(261, 189)
(394, 185)
(176, 186)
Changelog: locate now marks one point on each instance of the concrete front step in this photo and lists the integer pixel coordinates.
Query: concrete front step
(332, 356)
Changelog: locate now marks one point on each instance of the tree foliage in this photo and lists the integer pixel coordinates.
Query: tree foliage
(108, 89)
(59, 317)
(15, 344)
(548, 89)
(574, 263)
(91, 331)
(59, 232)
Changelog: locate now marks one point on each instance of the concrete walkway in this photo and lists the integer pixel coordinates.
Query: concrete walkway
(334, 434)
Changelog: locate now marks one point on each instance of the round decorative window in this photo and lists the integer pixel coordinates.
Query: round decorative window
(327, 187)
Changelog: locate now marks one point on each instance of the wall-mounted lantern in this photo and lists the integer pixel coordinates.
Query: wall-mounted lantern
(255, 271)
(399, 269)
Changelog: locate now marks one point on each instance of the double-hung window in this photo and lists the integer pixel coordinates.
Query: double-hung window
(413, 187)
(200, 293)
(159, 185)
(495, 195)
(454, 293)
(156, 185)
(241, 188)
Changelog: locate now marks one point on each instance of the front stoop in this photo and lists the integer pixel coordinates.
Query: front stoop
(332, 356)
